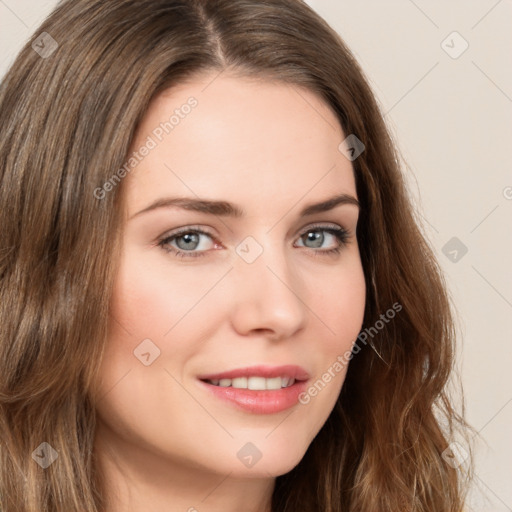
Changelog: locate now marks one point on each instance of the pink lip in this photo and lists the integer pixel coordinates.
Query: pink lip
(264, 401)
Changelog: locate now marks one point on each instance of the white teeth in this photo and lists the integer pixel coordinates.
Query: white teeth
(239, 382)
(274, 383)
(257, 383)
(254, 383)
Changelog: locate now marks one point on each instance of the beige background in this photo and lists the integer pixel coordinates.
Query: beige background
(450, 112)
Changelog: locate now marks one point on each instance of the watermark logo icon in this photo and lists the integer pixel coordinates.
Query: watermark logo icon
(249, 455)
(45, 455)
(454, 45)
(45, 45)
(146, 352)
(455, 454)
(249, 249)
(351, 147)
(454, 250)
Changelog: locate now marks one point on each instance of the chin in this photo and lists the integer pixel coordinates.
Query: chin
(270, 468)
(274, 462)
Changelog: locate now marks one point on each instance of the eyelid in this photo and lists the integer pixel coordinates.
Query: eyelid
(336, 229)
(186, 229)
(323, 225)
(174, 233)
(201, 229)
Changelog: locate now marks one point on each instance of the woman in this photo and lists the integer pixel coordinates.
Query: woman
(215, 294)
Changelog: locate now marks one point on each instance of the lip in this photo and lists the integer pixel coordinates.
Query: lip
(259, 401)
(291, 371)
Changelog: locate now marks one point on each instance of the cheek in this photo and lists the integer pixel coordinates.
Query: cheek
(139, 298)
(148, 299)
(340, 305)
(341, 309)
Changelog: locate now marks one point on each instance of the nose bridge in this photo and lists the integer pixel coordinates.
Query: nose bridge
(268, 290)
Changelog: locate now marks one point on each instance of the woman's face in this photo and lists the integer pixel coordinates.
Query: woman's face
(258, 294)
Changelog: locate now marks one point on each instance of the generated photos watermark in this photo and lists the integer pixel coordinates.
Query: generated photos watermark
(152, 141)
(343, 359)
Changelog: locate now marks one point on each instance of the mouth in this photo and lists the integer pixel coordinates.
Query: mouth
(258, 389)
(255, 383)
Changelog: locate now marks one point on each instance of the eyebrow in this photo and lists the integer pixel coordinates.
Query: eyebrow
(226, 209)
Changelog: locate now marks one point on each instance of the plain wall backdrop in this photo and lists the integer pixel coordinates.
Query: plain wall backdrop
(442, 73)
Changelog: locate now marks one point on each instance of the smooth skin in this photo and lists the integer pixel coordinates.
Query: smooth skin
(164, 443)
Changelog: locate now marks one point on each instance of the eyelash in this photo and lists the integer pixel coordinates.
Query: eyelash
(341, 234)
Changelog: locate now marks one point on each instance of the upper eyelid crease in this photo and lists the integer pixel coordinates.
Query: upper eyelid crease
(226, 209)
(320, 226)
(340, 232)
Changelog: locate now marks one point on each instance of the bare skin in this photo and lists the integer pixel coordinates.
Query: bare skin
(164, 443)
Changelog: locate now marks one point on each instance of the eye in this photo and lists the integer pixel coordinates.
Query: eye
(187, 242)
(315, 235)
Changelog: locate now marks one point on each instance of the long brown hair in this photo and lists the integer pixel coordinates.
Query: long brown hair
(67, 120)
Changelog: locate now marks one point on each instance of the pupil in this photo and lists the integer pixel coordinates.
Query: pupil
(189, 238)
(315, 236)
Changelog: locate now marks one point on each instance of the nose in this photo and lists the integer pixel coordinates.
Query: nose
(268, 296)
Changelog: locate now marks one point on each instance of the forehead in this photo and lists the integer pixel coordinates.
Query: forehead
(220, 136)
